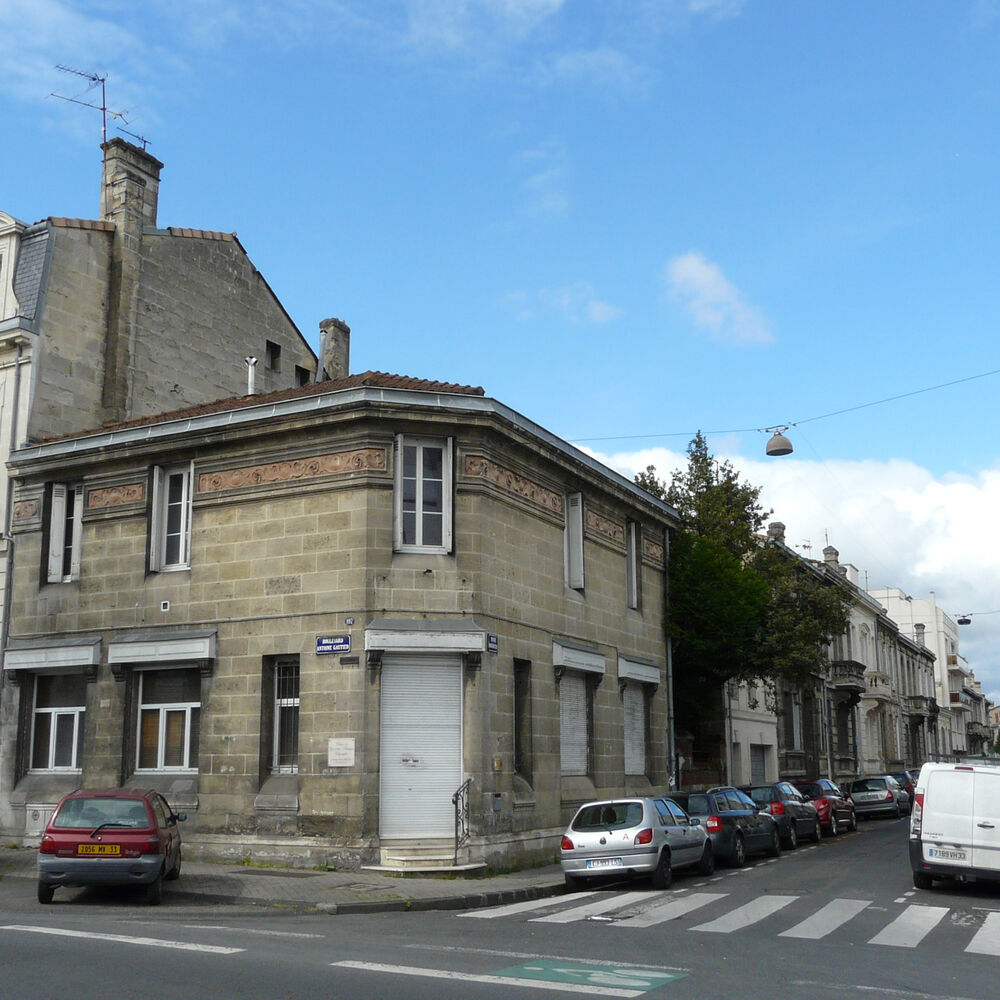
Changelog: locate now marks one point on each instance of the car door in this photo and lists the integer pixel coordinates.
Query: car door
(673, 835)
(986, 820)
(749, 818)
(691, 837)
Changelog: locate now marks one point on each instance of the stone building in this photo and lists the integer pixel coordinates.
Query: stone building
(360, 621)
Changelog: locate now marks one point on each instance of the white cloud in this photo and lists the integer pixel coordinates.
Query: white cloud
(895, 521)
(543, 183)
(713, 302)
(576, 303)
(604, 67)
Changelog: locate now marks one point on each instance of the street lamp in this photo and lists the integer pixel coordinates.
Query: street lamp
(778, 444)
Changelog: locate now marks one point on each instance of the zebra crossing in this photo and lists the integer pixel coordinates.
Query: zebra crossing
(906, 928)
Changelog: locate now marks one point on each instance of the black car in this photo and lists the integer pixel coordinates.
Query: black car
(796, 817)
(735, 823)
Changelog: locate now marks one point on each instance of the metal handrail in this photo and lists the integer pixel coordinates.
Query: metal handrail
(460, 800)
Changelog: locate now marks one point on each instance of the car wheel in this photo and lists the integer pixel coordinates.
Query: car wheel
(739, 856)
(898, 813)
(774, 848)
(793, 837)
(921, 880)
(817, 834)
(154, 889)
(174, 872)
(663, 874)
(834, 825)
(853, 824)
(45, 892)
(707, 864)
(573, 882)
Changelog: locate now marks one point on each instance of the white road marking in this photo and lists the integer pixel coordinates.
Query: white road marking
(828, 919)
(911, 926)
(125, 939)
(987, 939)
(671, 909)
(250, 930)
(533, 956)
(614, 902)
(830, 987)
(526, 906)
(744, 916)
(468, 977)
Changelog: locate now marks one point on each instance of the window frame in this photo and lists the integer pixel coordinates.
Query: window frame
(573, 542)
(281, 671)
(446, 445)
(523, 758)
(64, 514)
(633, 565)
(159, 519)
(162, 708)
(78, 714)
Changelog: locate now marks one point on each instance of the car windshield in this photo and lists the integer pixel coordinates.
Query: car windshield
(811, 791)
(92, 811)
(868, 785)
(608, 816)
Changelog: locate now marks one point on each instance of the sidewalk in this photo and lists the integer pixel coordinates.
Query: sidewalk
(330, 892)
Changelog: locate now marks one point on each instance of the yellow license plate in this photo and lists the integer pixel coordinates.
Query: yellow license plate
(98, 849)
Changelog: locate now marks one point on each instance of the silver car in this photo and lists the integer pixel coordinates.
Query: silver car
(633, 836)
(879, 795)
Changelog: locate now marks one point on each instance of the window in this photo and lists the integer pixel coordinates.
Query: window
(423, 513)
(574, 541)
(522, 719)
(576, 723)
(633, 542)
(170, 530)
(302, 375)
(57, 723)
(272, 356)
(636, 709)
(286, 716)
(65, 531)
(169, 720)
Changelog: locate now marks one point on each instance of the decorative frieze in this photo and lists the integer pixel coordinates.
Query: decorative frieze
(24, 510)
(601, 524)
(520, 486)
(336, 463)
(116, 496)
(653, 551)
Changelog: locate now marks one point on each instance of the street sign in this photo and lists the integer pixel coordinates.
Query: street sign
(332, 644)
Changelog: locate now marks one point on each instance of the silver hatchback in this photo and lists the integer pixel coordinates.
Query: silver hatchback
(633, 836)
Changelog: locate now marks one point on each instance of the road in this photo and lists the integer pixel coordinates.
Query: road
(840, 919)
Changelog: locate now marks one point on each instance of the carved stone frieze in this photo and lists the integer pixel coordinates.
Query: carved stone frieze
(336, 463)
(653, 550)
(116, 496)
(521, 486)
(601, 524)
(24, 510)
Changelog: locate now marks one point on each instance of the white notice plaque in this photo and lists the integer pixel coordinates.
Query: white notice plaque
(340, 752)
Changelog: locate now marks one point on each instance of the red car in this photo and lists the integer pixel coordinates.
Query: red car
(111, 836)
(836, 811)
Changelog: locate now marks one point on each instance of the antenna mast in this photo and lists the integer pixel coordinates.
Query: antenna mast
(94, 79)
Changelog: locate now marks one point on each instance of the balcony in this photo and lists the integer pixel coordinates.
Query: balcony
(878, 686)
(848, 676)
(961, 701)
(978, 731)
(920, 704)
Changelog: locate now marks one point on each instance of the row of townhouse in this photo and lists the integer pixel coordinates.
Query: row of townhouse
(896, 692)
(346, 619)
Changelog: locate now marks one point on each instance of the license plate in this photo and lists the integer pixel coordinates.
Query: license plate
(98, 849)
(937, 852)
(604, 863)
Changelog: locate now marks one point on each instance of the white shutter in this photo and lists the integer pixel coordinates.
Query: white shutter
(77, 541)
(420, 745)
(634, 705)
(57, 528)
(574, 541)
(758, 764)
(156, 521)
(573, 734)
(447, 494)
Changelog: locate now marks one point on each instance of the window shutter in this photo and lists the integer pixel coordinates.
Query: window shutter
(188, 512)
(77, 540)
(447, 494)
(573, 741)
(634, 704)
(57, 527)
(574, 541)
(397, 494)
(156, 521)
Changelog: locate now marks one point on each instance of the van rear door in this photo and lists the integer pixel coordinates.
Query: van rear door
(946, 828)
(986, 820)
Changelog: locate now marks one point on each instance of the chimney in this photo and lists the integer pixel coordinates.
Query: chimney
(919, 628)
(130, 183)
(335, 349)
(831, 557)
(776, 532)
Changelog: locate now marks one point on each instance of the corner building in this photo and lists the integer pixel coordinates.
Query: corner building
(370, 620)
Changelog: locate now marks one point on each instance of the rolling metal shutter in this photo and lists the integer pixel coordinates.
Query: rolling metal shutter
(573, 729)
(421, 745)
(634, 705)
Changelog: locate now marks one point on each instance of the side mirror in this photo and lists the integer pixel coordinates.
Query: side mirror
(179, 817)
(694, 821)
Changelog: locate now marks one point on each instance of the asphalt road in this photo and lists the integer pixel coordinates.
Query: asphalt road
(840, 919)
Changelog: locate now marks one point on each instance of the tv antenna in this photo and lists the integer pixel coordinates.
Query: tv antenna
(138, 138)
(94, 79)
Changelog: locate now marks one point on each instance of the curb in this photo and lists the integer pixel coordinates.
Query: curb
(470, 901)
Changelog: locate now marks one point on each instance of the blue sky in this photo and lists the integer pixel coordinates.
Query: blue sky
(628, 220)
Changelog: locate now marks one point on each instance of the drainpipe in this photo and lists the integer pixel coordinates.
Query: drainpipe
(9, 557)
(673, 770)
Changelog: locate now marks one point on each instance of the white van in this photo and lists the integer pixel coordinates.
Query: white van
(955, 826)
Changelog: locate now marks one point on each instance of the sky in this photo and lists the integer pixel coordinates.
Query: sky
(629, 220)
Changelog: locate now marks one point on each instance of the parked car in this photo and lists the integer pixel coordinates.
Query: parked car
(796, 817)
(734, 821)
(633, 836)
(955, 827)
(905, 781)
(112, 836)
(879, 795)
(836, 811)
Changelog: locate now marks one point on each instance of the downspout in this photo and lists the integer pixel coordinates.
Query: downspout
(673, 770)
(9, 555)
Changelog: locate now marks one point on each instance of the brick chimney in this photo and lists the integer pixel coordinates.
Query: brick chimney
(130, 183)
(334, 349)
(919, 629)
